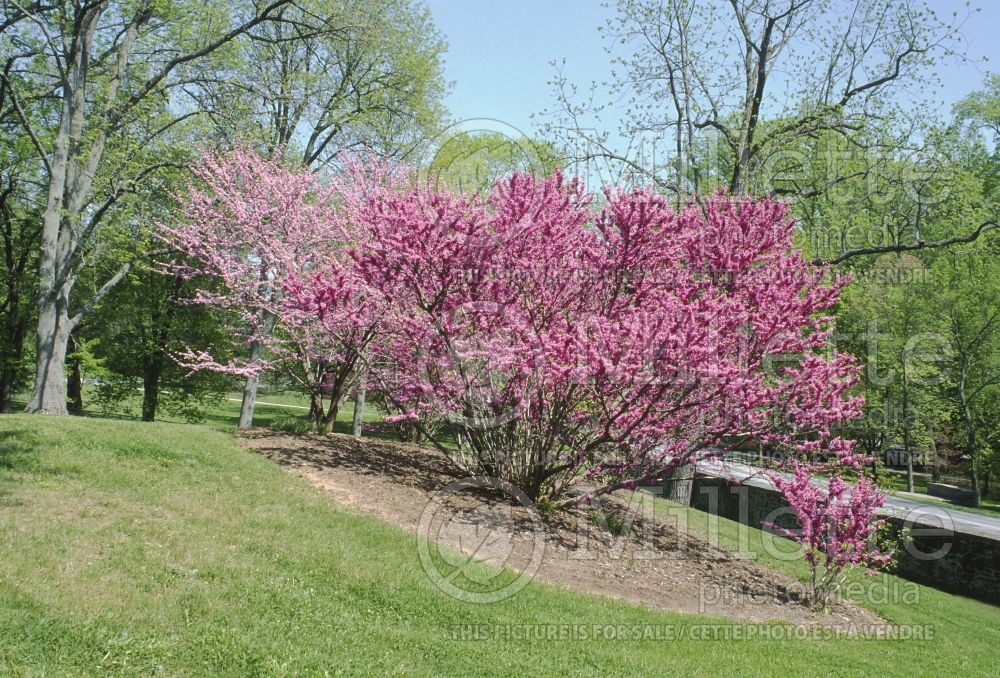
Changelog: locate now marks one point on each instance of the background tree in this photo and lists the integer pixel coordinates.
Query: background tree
(147, 320)
(22, 199)
(114, 72)
(720, 94)
(475, 162)
(107, 95)
(969, 304)
(889, 321)
(325, 77)
(260, 231)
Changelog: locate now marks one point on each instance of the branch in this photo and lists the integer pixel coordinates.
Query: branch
(116, 114)
(59, 60)
(101, 293)
(108, 286)
(24, 123)
(909, 247)
(99, 213)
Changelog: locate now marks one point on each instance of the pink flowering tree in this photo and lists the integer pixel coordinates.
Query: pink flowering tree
(557, 337)
(838, 528)
(261, 230)
(562, 342)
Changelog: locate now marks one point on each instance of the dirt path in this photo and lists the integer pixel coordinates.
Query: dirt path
(658, 566)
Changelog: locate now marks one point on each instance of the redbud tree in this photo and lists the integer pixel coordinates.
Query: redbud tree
(837, 526)
(566, 338)
(257, 227)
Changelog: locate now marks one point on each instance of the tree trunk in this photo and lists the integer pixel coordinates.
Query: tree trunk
(909, 459)
(935, 462)
(975, 483)
(250, 389)
(970, 445)
(7, 376)
(678, 487)
(74, 387)
(359, 404)
(906, 428)
(151, 373)
(49, 393)
(327, 421)
(55, 271)
(970, 431)
(315, 410)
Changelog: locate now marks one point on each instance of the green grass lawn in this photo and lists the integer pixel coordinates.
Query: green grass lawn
(162, 548)
(897, 482)
(274, 410)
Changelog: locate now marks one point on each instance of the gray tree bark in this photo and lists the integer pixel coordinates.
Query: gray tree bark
(250, 388)
(49, 393)
(359, 403)
(678, 487)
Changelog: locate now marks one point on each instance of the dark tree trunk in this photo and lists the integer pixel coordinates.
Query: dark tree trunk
(338, 389)
(74, 387)
(327, 421)
(935, 462)
(970, 444)
(315, 410)
(7, 376)
(906, 428)
(10, 356)
(970, 431)
(975, 484)
(151, 373)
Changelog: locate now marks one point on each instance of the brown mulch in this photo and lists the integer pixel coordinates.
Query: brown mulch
(657, 564)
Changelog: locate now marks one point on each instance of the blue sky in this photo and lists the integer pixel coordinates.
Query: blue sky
(499, 52)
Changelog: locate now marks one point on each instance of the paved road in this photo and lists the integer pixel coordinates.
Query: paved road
(904, 507)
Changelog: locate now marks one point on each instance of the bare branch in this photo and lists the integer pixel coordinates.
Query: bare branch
(909, 247)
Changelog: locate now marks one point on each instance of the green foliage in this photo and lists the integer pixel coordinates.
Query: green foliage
(144, 321)
(473, 162)
(369, 75)
(887, 321)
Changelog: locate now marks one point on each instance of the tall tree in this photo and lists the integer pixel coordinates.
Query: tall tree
(970, 307)
(733, 87)
(329, 76)
(147, 319)
(889, 319)
(115, 73)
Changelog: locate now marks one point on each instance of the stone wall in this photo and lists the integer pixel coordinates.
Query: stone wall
(956, 562)
(959, 495)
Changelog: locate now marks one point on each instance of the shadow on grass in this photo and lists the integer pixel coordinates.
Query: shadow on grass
(18, 455)
(18, 450)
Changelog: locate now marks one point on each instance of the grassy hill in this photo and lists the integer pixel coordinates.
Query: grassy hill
(151, 549)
